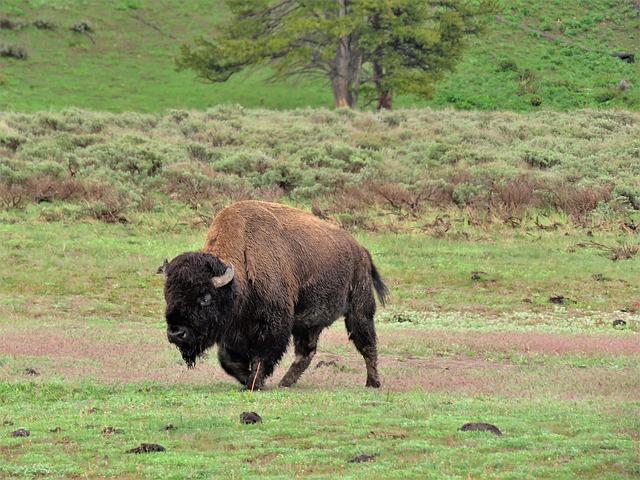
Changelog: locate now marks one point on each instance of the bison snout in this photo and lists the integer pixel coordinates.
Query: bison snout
(177, 334)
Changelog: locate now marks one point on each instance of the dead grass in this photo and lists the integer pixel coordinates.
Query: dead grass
(623, 251)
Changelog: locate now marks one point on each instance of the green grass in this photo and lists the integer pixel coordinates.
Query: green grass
(130, 67)
(425, 274)
(310, 434)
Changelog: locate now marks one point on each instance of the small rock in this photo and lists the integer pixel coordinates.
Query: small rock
(147, 448)
(619, 323)
(32, 372)
(480, 427)
(362, 458)
(250, 418)
(168, 427)
(21, 432)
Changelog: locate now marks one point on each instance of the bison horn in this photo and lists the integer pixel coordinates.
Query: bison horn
(223, 279)
(163, 268)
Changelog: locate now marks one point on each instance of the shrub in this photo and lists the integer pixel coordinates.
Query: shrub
(13, 51)
(190, 184)
(11, 141)
(540, 159)
(12, 195)
(401, 200)
(578, 201)
(629, 195)
(468, 193)
(8, 24)
(42, 24)
(516, 194)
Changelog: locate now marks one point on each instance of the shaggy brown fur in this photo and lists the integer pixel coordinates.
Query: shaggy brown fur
(294, 274)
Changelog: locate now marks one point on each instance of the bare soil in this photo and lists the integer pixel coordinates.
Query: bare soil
(469, 362)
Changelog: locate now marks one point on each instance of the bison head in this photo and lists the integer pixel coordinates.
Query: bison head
(199, 295)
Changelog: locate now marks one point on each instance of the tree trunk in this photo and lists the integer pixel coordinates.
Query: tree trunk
(385, 96)
(385, 101)
(340, 75)
(346, 68)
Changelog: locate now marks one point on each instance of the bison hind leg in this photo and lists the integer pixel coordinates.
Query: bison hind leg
(305, 343)
(362, 332)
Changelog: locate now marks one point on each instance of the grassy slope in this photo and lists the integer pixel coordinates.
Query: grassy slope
(130, 67)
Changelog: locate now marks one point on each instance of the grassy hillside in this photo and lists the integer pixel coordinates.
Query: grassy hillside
(426, 170)
(551, 54)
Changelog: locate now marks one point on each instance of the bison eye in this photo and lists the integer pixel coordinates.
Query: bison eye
(205, 300)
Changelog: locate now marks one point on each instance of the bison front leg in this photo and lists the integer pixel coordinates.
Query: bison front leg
(234, 363)
(305, 348)
(265, 358)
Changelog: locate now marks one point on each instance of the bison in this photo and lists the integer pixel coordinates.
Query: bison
(268, 272)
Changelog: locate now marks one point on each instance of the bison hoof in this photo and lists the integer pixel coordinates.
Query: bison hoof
(373, 383)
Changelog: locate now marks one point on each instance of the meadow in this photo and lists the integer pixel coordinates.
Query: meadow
(554, 54)
(509, 243)
(85, 366)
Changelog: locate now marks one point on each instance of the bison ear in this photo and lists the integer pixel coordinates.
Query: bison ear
(223, 279)
(162, 269)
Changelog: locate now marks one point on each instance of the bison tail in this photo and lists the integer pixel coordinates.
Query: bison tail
(378, 284)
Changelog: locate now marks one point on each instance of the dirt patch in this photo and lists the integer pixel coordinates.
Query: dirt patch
(147, 448)
(466, 362)
(512, 342)
(249, 418)
(480, 427)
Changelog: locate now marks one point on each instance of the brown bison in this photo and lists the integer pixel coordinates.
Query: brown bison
(267, 272)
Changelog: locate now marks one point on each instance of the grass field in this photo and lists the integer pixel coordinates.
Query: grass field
(80, 303)
(552, 54)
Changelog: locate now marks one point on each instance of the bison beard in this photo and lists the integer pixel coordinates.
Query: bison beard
(268, 273)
